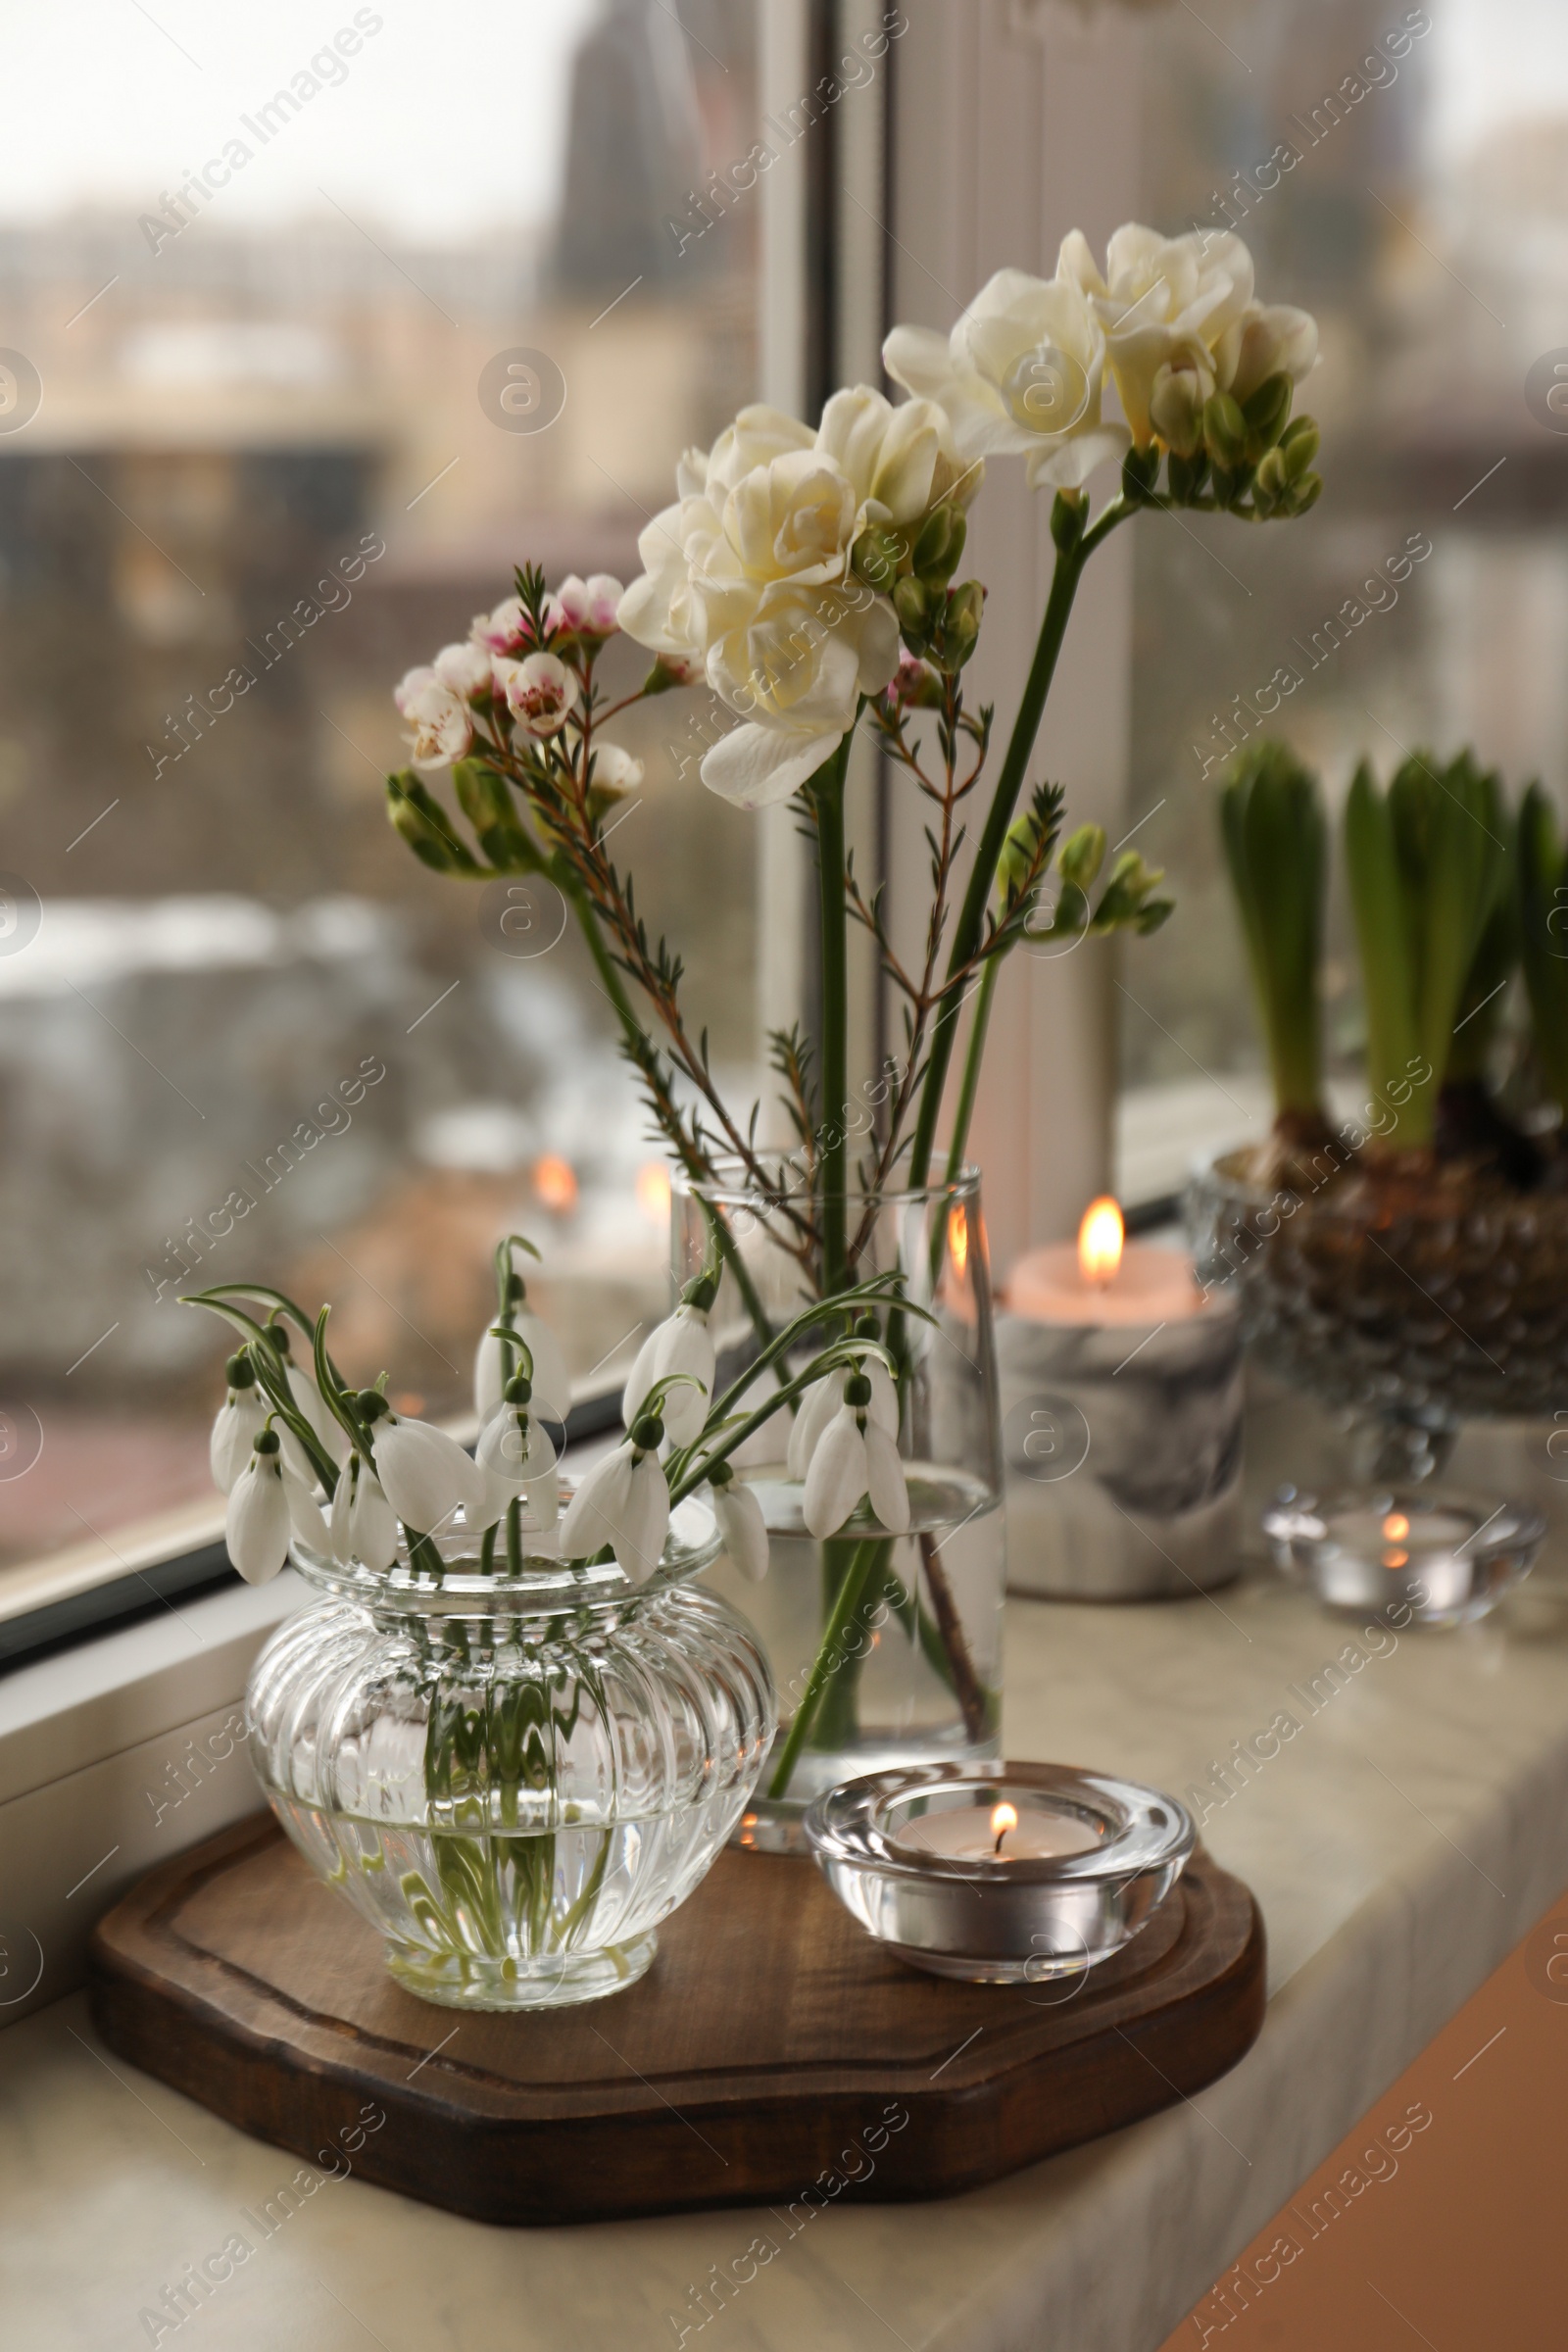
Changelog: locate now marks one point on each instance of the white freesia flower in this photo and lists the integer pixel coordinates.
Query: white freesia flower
(362, 1525)
(751, 570)
(541, 691)
(740, 1522)
(464, 669)
(1020, 374)
(822, 1400)
(623, 1502)
(442, 729)
(855, 1456)
(552, 1388)
(615, 769)
(427, 1474)
(681, 1343)
(241, 1417)
(1272, 339)
(1172, 308)
(904, 461)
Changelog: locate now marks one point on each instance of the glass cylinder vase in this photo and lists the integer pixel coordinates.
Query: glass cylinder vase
(513, 1776)
(886, 1648)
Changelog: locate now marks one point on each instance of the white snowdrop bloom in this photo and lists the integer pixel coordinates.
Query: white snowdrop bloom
(854, 1457)
(682, 1344)
(258, 1524)
(518, 1461)
(822, 1400)
(623, 1502)
(740, 1522)
(241, 1417)
(363, 1526)
(426, 1474)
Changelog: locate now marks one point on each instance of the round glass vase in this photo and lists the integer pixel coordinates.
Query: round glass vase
(514, 1778)
(889, 1646)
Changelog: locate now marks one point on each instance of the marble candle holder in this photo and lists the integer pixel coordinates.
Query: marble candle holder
(1123, 1454)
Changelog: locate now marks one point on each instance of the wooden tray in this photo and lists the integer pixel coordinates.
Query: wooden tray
(771, 2050)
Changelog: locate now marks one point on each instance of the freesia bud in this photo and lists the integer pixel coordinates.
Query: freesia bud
(1083, 854)
(1267, 412)
(1224, 429)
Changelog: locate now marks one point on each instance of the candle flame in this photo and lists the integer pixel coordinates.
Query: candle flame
(554, 1181)
(653, 1192)
(1003, 1819)
(1099, 1240)
(1395, 1527)
(959, 1239)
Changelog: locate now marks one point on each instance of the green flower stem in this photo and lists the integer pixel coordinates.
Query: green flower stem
(970, 927)
(514, 1537)
(971, 1068)
(869, 1560)
(604, 965)
(828, 792)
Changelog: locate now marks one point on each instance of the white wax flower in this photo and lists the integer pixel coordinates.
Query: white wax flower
(426, 1475)
(587, 607)
(541, 692)
(552, 1389)
(740, 1523)
(682, 1342)
(1021, 373)
(362, 1526)
(464, 669)
(855, 1456)
(615, 769)
(623, 1502)
(506, 631)
(442, 729)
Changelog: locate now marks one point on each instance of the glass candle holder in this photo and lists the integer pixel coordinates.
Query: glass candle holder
(1005, 1873)
(1422, 1555)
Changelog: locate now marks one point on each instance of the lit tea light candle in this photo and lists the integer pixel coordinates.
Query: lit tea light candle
(978, 1833)
(1121, 1419)
(1434, 1557)
(1104, 1278)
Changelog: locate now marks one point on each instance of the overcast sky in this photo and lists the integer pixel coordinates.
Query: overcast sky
(450, 117)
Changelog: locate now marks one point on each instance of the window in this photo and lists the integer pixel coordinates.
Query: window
(1401, 173)
(315, 325)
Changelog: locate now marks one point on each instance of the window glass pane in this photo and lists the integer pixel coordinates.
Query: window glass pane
(315, 326)
(1403, 174)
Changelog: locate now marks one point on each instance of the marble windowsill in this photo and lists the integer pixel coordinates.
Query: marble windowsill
(1400, 1844)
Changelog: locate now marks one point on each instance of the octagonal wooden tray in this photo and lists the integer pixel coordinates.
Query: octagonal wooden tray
(773, 2052)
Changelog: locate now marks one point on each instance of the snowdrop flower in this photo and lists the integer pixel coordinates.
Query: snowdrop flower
(616, 770)
(464, 669)
(424, 1473)
(550, 1385)
(682, 1344)
(623, 1501)
(442, 729)
(588, 607)
(855, 1456)
(269, 1502)
(541, 692)
(740, 1521)
(362, 1525)
(822, 1400)
(519, 1459)
(241, 1417)
(1021, 375)
(311, 1407)
(506, 631)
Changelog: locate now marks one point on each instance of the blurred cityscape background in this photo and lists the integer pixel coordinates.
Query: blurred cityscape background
(263, 438)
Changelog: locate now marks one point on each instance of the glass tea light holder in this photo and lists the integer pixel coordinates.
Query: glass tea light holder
(1419, 1555)
(1001, 1873)
(1121, 1403)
